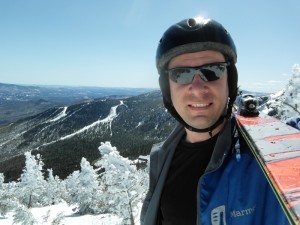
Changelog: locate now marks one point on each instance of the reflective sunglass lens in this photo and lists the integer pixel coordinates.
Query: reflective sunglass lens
(210, 75)
(182, 75)
(210, 72)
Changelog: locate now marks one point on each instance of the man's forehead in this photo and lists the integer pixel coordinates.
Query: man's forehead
(196, 58)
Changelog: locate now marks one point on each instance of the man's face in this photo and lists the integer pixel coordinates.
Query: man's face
(200, 103)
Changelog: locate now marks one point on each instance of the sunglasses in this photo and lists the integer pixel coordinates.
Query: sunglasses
(207, 72)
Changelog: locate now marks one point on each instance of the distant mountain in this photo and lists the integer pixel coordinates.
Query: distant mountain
(65, 134)
(20, 101)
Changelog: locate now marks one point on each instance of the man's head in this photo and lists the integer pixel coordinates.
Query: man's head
(195, 43)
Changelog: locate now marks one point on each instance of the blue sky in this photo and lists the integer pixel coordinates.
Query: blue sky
(112, 43)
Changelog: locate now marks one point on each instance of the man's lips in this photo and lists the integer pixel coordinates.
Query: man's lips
(200, 105)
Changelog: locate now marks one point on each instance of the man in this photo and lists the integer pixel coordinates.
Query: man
(204, 173)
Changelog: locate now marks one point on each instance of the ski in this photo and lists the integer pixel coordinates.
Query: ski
(276, 147)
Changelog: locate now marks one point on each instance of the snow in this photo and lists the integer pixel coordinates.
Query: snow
(112, 115)
(61, 115)
(285, 103)
(13, 138)
(46, 215)
(140, 124)
(113, 196)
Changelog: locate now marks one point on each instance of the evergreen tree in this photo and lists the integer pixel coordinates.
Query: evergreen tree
(291, 99)
(123, 186)
(4, 199)
(1, 181)
(31, 188)
(71, 185)
(83, 187)
(58, 219)
(55, 190)
(8, 201)
(23, 216)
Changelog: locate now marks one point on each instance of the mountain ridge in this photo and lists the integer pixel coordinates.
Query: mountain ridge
(65, 134)
(21, 101)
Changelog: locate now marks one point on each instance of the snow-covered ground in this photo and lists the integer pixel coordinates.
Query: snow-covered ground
(46, 215)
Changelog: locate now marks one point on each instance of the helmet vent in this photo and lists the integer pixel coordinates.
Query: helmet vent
(191, 22)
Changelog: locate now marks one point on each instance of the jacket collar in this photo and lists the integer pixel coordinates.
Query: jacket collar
(222, 147)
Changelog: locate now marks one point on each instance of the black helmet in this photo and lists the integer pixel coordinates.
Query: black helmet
(194, 35)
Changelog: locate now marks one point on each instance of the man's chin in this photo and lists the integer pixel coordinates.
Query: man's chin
(200, 125)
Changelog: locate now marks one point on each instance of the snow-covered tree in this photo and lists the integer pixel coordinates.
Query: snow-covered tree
(71, 185)
(55, 190)
(31, 188)
(8, 200)
(4, 198)
(285, 104)
(123, 186)
(58, 220)
(1, 181)
(84, 189)
(23, 216)
(291, 99)
(118, 190)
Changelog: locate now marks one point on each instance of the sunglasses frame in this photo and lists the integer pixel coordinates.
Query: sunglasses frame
(198, 71)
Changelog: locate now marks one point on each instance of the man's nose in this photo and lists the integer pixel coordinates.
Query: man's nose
(198, 84)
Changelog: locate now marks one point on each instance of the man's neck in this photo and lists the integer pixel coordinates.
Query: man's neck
(194, 137)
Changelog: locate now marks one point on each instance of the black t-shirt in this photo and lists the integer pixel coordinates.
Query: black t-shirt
(178, 203)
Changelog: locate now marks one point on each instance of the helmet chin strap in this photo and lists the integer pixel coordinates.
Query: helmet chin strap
(216, 124)
(208, 129)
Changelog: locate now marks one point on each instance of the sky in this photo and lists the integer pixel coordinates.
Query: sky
(110, 43)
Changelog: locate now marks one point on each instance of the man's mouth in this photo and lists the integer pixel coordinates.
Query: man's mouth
(200, 105)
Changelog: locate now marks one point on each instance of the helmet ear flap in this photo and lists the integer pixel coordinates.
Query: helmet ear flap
(232, 81)
(232, 86)
(165, 88)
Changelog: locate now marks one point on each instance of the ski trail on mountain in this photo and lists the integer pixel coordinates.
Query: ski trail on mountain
(108, 119)
(58, 117)
(14, 138)
(111, 116)
(61, 115)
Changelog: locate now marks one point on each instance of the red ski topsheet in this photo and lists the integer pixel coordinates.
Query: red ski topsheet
(286, 174)
(277, 146)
